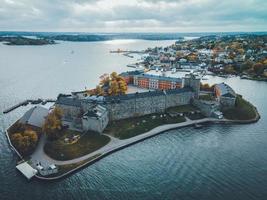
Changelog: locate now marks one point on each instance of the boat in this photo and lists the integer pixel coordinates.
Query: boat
(132, 65)
(198, 126)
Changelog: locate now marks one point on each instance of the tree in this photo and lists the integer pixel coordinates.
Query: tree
(114, 76)
(123, 86)
(53, 125)
(99, 90)
(114, 88)
(258, 68)
(112, 84)
(25, 141)
(104, 80)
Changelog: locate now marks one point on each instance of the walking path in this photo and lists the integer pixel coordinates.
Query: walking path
(114, 144)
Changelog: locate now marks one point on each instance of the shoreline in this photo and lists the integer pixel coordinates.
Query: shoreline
(136, 139)
(139, 138)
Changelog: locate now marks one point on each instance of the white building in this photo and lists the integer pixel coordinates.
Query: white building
(95, 119)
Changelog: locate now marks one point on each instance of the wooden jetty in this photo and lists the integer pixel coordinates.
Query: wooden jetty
(126, 51)
(29, 101)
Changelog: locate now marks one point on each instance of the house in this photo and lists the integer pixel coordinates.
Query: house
(96, 119)
(35, 116)
(225, 95)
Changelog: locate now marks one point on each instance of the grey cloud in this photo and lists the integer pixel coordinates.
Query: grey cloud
(133, 15)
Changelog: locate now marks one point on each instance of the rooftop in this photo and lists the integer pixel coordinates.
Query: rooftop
(26, 170)
(35, 116)
(68, 100)
(163, 78)
(96, 111)
(225, 90)
(135, 72)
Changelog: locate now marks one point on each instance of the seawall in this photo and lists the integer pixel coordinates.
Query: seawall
(144, 136)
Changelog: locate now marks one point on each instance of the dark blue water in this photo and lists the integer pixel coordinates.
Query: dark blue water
(216, 162)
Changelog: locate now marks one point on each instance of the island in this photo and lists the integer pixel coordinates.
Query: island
(19, 40)
(123, 109)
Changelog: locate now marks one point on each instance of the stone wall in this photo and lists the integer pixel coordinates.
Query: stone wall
(207, 108)
(227, 101)
(147, 105)
(134, 106)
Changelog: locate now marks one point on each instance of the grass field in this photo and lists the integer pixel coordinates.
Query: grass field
(89, 142)
(242, 111)
(128, 128)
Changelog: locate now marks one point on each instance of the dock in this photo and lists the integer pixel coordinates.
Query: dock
(29, 101)
(26, 170)
(126, 51)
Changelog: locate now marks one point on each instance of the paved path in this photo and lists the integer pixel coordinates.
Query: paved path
(39, 154)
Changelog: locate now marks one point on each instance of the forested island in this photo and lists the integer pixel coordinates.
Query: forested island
(19, 40)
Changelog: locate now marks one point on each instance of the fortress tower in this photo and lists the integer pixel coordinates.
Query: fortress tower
(193, 81)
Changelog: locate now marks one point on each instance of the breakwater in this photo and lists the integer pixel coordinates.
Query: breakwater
(28, 101)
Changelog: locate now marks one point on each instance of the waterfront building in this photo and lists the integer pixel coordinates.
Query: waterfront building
(149, 81)
(225, 95)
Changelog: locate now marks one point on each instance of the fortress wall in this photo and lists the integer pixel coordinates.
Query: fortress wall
(132, 107)
(69, 112)
(146, 105)
(178, 99)
(121, 110)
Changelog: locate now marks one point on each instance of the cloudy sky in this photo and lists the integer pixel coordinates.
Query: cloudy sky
(133, 15)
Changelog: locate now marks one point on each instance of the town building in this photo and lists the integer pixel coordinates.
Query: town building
(142, 80)
(225, 95)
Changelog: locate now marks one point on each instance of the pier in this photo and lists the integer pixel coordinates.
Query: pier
(29, 101)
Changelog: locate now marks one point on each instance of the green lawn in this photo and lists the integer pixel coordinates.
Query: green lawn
(242, 111)
(131, 127)
(182, 109)
(89, 142)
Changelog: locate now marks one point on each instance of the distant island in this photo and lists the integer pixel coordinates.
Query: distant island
(19, 40)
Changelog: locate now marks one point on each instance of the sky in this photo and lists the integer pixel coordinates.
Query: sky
(133, 15)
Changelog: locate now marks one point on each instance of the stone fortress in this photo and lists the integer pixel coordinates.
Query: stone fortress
(82, 112)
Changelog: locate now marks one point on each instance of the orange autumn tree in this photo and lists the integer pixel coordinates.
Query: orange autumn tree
(25, 141)
(110, 84)
(53, 125)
